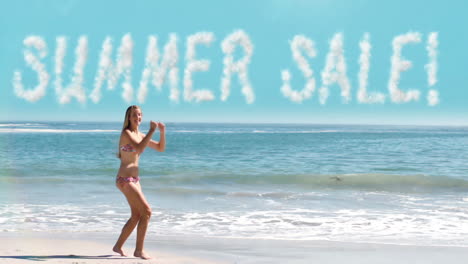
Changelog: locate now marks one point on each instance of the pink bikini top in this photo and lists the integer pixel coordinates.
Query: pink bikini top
(128, 148)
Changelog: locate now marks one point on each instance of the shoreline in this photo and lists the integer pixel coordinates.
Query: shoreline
(91, 248)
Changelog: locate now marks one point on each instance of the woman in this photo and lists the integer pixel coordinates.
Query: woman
(132, 144)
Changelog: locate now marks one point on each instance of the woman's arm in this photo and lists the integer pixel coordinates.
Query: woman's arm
(161, 144)
(134, 140)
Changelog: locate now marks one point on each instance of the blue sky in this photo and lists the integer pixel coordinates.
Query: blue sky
(270, 26)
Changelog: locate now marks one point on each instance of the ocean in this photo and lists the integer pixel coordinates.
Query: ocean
(351, 183)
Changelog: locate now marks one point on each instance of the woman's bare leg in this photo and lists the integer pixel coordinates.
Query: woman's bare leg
(145, 215)
(127, 230)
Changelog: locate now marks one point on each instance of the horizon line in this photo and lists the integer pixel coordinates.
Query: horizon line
(250, 122)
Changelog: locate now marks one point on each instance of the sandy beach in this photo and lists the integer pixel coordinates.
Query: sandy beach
(86, 248)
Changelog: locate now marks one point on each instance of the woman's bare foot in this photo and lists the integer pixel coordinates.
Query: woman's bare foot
(119, 250)
(141, 254)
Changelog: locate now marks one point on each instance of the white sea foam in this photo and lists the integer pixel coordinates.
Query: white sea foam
(254, 131)
(32, 130)
(23, 125)
(342, 225)
(439, 226)
(295, 132)
(206, 131)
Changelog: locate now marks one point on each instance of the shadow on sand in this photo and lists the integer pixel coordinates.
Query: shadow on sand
(47, 257)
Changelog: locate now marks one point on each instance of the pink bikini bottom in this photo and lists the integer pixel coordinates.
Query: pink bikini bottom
(127, 179)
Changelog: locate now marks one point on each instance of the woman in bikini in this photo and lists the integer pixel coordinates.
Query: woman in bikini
(132, 144)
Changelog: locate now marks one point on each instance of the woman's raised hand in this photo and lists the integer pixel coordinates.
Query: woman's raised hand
(153, 125)
(161, 126)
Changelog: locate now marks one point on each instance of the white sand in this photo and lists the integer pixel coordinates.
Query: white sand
(89, 248)
(81, 249)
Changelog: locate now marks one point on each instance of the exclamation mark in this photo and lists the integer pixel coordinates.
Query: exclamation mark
(431, 68)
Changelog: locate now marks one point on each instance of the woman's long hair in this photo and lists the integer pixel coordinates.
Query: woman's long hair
(126, 123)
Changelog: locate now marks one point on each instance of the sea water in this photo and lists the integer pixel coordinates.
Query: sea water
(355, 183)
